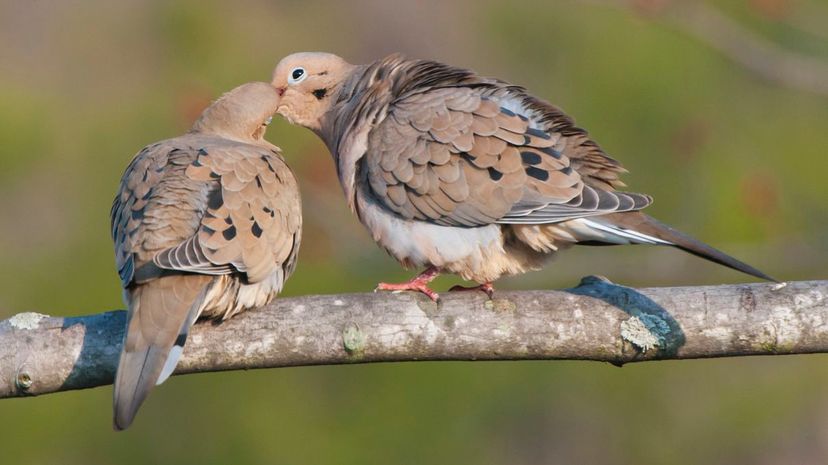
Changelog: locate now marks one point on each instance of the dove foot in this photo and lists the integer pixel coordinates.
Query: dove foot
(418, 284)
(488, 288)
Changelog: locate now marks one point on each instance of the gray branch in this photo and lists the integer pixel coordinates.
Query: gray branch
(597, 320)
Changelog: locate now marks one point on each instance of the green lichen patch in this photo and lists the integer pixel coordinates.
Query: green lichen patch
(27, 320)
(645, 331)
(353, 340)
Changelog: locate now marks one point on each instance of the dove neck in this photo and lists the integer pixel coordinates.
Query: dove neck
(240, 114)
(360, 103)
(226, 128)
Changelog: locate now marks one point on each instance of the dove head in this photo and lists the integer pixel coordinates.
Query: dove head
(307, 83)
(241, 114)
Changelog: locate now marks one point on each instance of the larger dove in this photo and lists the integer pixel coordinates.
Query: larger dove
(206, 224)
(458, 173)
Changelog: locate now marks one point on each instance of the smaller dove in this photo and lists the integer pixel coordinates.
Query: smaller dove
(463, 174)
(207, 224)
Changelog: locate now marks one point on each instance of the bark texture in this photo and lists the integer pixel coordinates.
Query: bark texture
(597, 320)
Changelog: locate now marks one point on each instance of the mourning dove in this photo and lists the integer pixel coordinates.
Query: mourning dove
(206, 224)
(465, 174)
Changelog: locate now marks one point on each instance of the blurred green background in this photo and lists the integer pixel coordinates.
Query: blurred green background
(731, 158)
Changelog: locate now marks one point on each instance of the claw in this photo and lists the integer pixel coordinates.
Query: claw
(409, 286)
(488, 288)
(418, 284)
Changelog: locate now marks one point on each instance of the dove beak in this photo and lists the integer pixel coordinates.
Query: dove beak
(281, 91)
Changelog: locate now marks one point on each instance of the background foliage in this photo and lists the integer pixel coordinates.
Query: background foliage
(731, 158)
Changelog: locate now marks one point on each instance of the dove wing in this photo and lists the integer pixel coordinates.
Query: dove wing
(456, 155)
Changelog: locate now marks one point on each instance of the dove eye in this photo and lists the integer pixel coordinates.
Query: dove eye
(297, 75)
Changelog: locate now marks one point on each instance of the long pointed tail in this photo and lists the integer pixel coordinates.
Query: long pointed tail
(639, 228)
(160, 315)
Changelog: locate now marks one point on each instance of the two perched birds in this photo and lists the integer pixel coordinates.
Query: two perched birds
(449, 171)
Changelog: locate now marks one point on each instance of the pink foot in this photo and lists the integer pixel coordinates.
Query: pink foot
(488, 288)
(418, 284)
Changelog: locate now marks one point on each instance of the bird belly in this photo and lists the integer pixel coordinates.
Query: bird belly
(476, 254)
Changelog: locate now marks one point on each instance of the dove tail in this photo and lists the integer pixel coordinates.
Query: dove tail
(160, 315)
(639, 228)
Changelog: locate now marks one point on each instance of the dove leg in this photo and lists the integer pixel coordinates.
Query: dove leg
(488, 288)
(419, 284)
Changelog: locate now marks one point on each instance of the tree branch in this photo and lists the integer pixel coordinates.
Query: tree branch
(597, 320)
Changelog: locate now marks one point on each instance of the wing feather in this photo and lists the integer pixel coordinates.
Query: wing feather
(206, 206)
(458, 156)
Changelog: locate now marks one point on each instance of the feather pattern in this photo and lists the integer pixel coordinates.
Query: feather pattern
(456, 149)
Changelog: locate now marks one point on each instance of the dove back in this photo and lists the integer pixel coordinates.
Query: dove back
(205, 224)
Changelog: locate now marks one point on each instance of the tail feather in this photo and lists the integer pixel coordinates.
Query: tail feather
(160, 315)
(637, 223)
